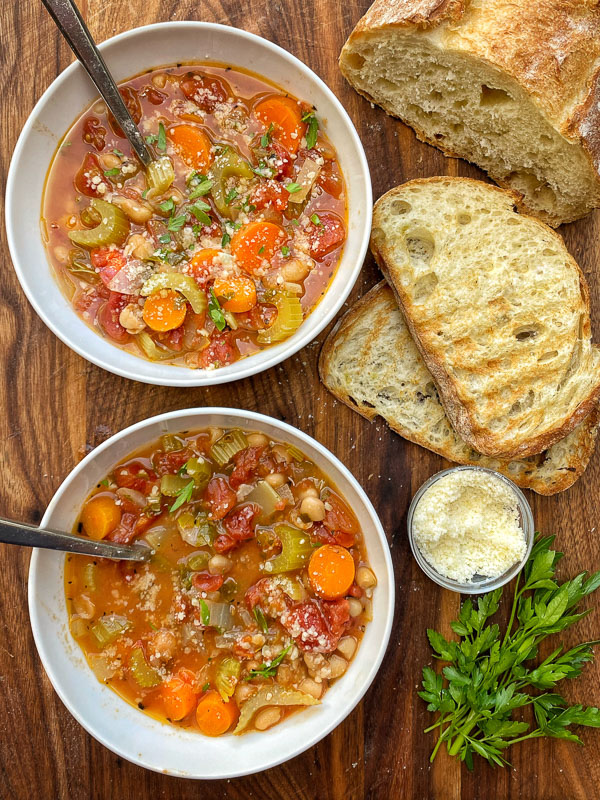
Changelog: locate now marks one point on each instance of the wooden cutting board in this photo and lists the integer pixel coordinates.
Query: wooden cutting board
(56, 407)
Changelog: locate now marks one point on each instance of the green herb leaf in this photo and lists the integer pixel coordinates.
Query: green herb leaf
(230, 197)
(204, 613)
(293, 187)
(206, 686)
(260, 619)
(266, 137)
(216, 312)
(313, 129)
(165, 238)
(269, 670)
(285, 250)
(151, 139)
(105, 482)
(161, 141)
(199, 210)
(225, 240)
(183, 496)
(201, 189)
(167, 206)
(112, 173)
(176, 223)
(117, 152)
(314, 218)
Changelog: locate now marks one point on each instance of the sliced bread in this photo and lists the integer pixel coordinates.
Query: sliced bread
(371, 363)
(512, 85)
(498, 309)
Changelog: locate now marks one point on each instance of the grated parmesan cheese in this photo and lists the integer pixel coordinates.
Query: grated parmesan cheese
(467, 524)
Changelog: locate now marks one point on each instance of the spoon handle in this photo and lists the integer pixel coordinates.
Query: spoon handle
(31, 536)
(70, 23)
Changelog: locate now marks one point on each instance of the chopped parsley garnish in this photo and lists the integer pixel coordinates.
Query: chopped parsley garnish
(165, 238)
(260, 619)
(314, 218)
(144, 193)
(199, 210)
(151, 139)
(201, 189)
(261, 250)
(184, 495)
(266, 137)
(105, 482)
(269, 670)
(216, 312)
(225, 240)
(313, 129)
(167, 206)
(204, 612)
(206, 686)
(117, 152)
(161, 141)
(285, 250)
(176, 223)
(231, 195)
(111, 173)
(293, 187)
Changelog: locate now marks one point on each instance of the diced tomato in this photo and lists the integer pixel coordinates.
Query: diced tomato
(133, 105)
(205, 582)
(327, 235)
(94, 133)
(174, 339)
(220, 351)
(108, 317)
(330, 179)
(154, 96)
(245, 462)
(269, 596)
(279, 160)
(136, 475)
(270, 194)
(89, 301)
(338, 516)
(205, 91)
(108, 262)
(90, 168)
(355, 591)
(168, 463)
(131, 526)
(258, 318)
(239, 525)
(219, 497)
(321, 534)
(317, 625)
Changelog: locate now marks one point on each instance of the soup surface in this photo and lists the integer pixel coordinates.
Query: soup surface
(255, 598)
(224, 245)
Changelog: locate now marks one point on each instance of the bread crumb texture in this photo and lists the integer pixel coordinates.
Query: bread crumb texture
(467, 524)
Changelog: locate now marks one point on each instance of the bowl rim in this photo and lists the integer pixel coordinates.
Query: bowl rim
(181, 376)
(35, 602)
(487, 584)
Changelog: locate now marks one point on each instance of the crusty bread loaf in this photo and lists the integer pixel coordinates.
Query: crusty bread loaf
(372, 364)
(512, 85)
(498, 309)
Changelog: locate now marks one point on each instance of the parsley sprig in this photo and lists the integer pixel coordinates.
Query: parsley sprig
(184, 495)
(489, 675)
(216, 312)
(269, 670)
(312, 131)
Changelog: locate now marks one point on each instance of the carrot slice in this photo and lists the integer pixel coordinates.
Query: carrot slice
(192, 145)
(164, 310)
(255, 242)
(285, 116)
(213, 715)
(237, 294)
(201, 263)
(331, 571)
(100, 516)
(178, 698)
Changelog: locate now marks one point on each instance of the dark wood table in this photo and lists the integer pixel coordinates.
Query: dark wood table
(56, 407)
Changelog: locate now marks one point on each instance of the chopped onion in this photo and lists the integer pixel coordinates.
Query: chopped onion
(131, 277)
(309, 172)
(134, 496)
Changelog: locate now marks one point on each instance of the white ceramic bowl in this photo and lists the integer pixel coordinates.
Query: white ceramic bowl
(127, 55)
(138, 737)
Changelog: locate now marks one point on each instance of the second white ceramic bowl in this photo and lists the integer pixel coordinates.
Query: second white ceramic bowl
(140, 738)
(127, 55)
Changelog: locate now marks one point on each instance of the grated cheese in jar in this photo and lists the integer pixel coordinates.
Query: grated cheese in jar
(467, 524)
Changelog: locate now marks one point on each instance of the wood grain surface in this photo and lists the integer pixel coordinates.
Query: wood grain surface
(56, 406)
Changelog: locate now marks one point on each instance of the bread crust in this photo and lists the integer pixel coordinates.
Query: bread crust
(531, 478)
(550, 48)
(460, 413)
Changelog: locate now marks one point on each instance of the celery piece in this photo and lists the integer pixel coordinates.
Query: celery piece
(180, 283)
(159, 176)
(200, 470)
(296, 549)
(198, 561)
(265, 496)
(271, 695)
(227, 677)
(219, 615)
(171, 443)
(109, 628)
(289, 318)
(229, 589)
(172, 485)
(295, 453)
(228, 164)
(224, 449)
(150, 349)
(156, 536)
(143, 674)
(198, 531)
(113, 228)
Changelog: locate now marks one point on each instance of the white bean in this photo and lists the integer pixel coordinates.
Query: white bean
(347, 646)
(365, 578)
(219, 565)
(337, 666)
(307, 491)
(308, 686)
(159, 80)
(276, 479)
(61, 254)
(354, 607)
(295, 270)
(267, 718)
(136, 211)
(243, 692)
(313, 508)
(257, 439)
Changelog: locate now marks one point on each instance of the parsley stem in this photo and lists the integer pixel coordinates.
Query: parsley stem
(513, 611)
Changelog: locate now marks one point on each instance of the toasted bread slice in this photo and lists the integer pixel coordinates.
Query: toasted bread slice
(512, 85)
(371, 363)
(498, 309)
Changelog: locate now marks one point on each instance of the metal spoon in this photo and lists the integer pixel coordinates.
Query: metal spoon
(31, 536)
(70, 23)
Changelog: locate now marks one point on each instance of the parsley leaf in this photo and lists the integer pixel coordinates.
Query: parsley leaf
(314, 218)
(117, 152)
(293, 187)
(204, 613)
(201, 189)
(167, 206)
(184, 495)
(266, 137)
(230, 197)
(313, 129)
(165, 238)
(199, 210)
(176, 223)
(161, 139)
(216, 312)
(225, 240)
(206, 686)
(285, 250)
(151, 139)
(111, 173)
(269, 670)
(260, 619)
